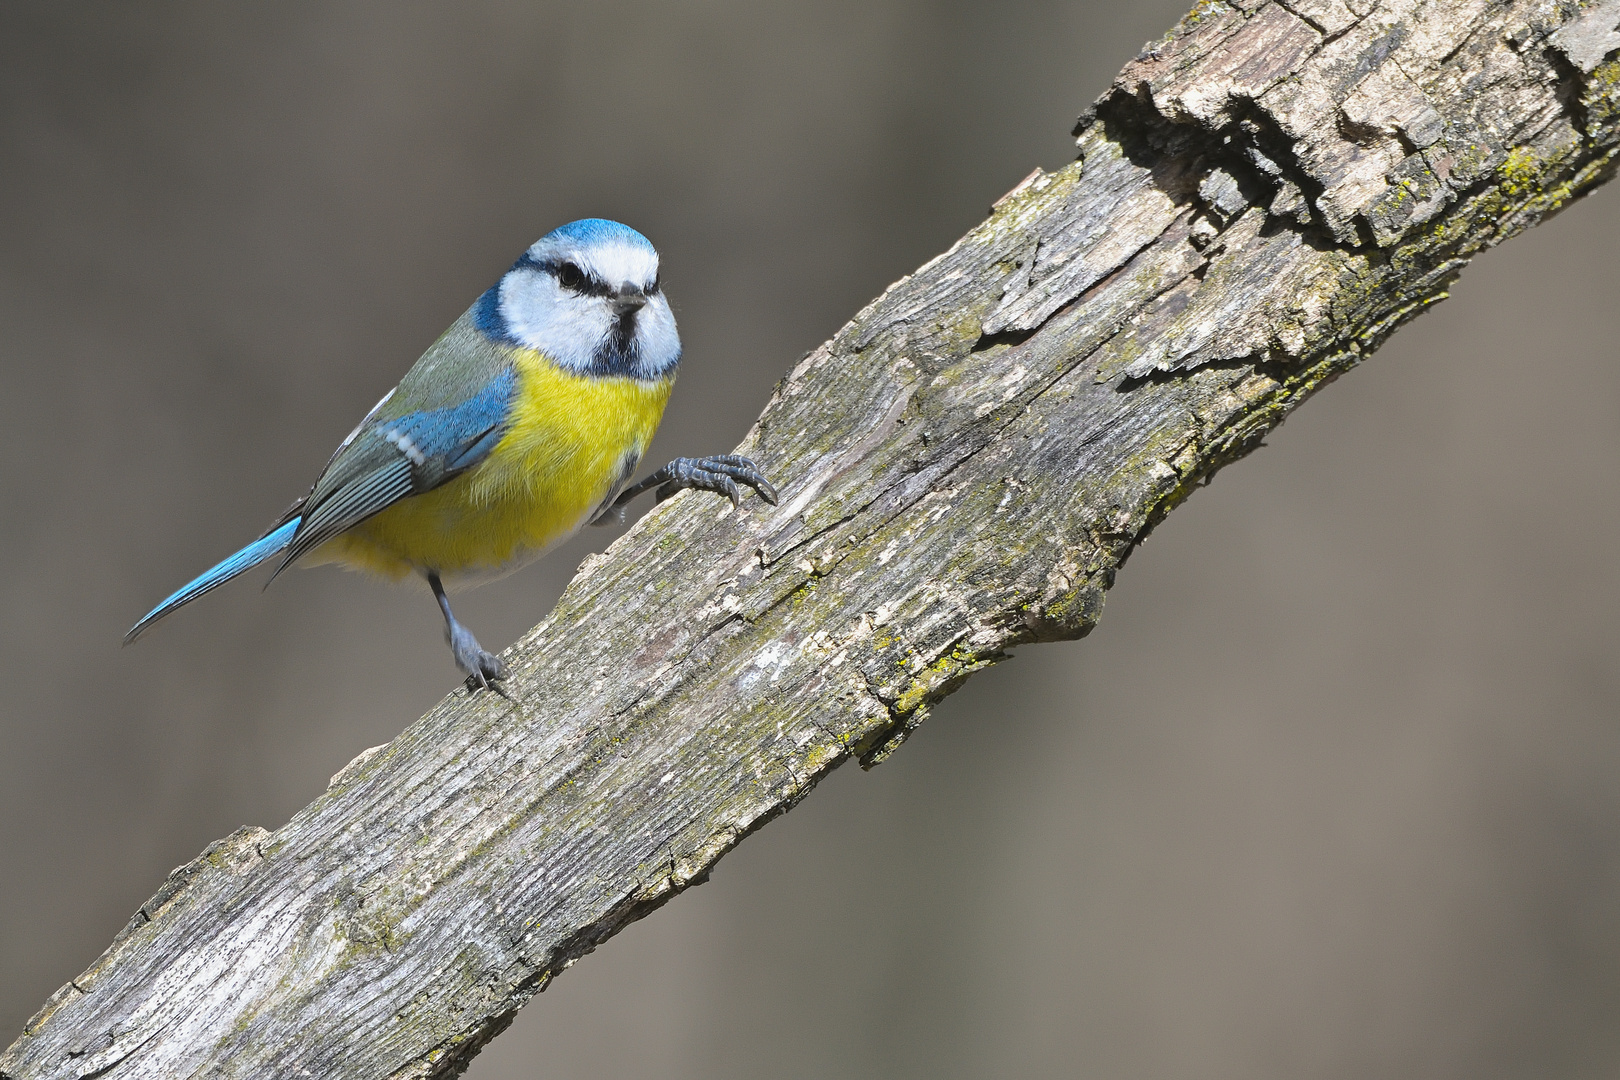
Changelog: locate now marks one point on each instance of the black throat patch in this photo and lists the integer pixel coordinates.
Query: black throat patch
(618, 352)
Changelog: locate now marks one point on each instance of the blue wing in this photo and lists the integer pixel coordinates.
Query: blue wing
(384, 461)
(406, 455)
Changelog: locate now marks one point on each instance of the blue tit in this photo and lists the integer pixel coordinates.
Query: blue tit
(522, 423)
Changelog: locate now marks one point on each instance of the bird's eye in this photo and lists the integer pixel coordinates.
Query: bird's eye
(570, 276)
(657, 281)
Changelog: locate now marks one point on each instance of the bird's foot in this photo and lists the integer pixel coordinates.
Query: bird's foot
(720, 474)
(483, 667)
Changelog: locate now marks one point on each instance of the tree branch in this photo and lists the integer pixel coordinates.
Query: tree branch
(1262, 197)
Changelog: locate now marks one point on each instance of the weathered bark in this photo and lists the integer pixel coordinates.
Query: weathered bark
(1262, 197)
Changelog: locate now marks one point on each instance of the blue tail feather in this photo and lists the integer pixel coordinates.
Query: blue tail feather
(255, 553)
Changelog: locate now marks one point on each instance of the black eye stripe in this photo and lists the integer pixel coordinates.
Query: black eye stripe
(575, 278)
(587, 283)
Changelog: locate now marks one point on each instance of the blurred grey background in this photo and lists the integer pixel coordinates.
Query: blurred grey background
(1333, 791)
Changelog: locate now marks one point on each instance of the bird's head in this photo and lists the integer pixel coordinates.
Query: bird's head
(587, 295)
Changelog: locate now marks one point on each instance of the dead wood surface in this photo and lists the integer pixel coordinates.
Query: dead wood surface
(1261, 198)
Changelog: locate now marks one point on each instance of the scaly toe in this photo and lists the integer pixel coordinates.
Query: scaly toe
(482, 666)
(719, 474)
(486, 672)
(734, 467)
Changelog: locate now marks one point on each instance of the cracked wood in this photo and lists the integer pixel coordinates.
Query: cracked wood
(1261, 198)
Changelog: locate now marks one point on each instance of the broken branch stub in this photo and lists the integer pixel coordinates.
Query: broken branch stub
(1261, 198)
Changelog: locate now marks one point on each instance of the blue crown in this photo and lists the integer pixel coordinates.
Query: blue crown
(588, 231)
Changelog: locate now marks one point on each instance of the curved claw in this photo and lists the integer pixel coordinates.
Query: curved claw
(483, 668)
(720, 474)
(475, 683)
(743, 469)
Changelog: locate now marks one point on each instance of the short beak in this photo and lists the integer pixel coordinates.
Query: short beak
(627, 300)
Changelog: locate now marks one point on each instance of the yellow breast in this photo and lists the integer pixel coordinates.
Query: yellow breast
(571, 440)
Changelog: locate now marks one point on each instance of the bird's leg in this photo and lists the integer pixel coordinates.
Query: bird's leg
(482, 667)
(718, 474)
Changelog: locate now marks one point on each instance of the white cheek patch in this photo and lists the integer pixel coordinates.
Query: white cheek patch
(541, 315)
(575, 330)
(659, 343)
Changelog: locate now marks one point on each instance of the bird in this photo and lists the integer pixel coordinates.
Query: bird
(521, 424)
